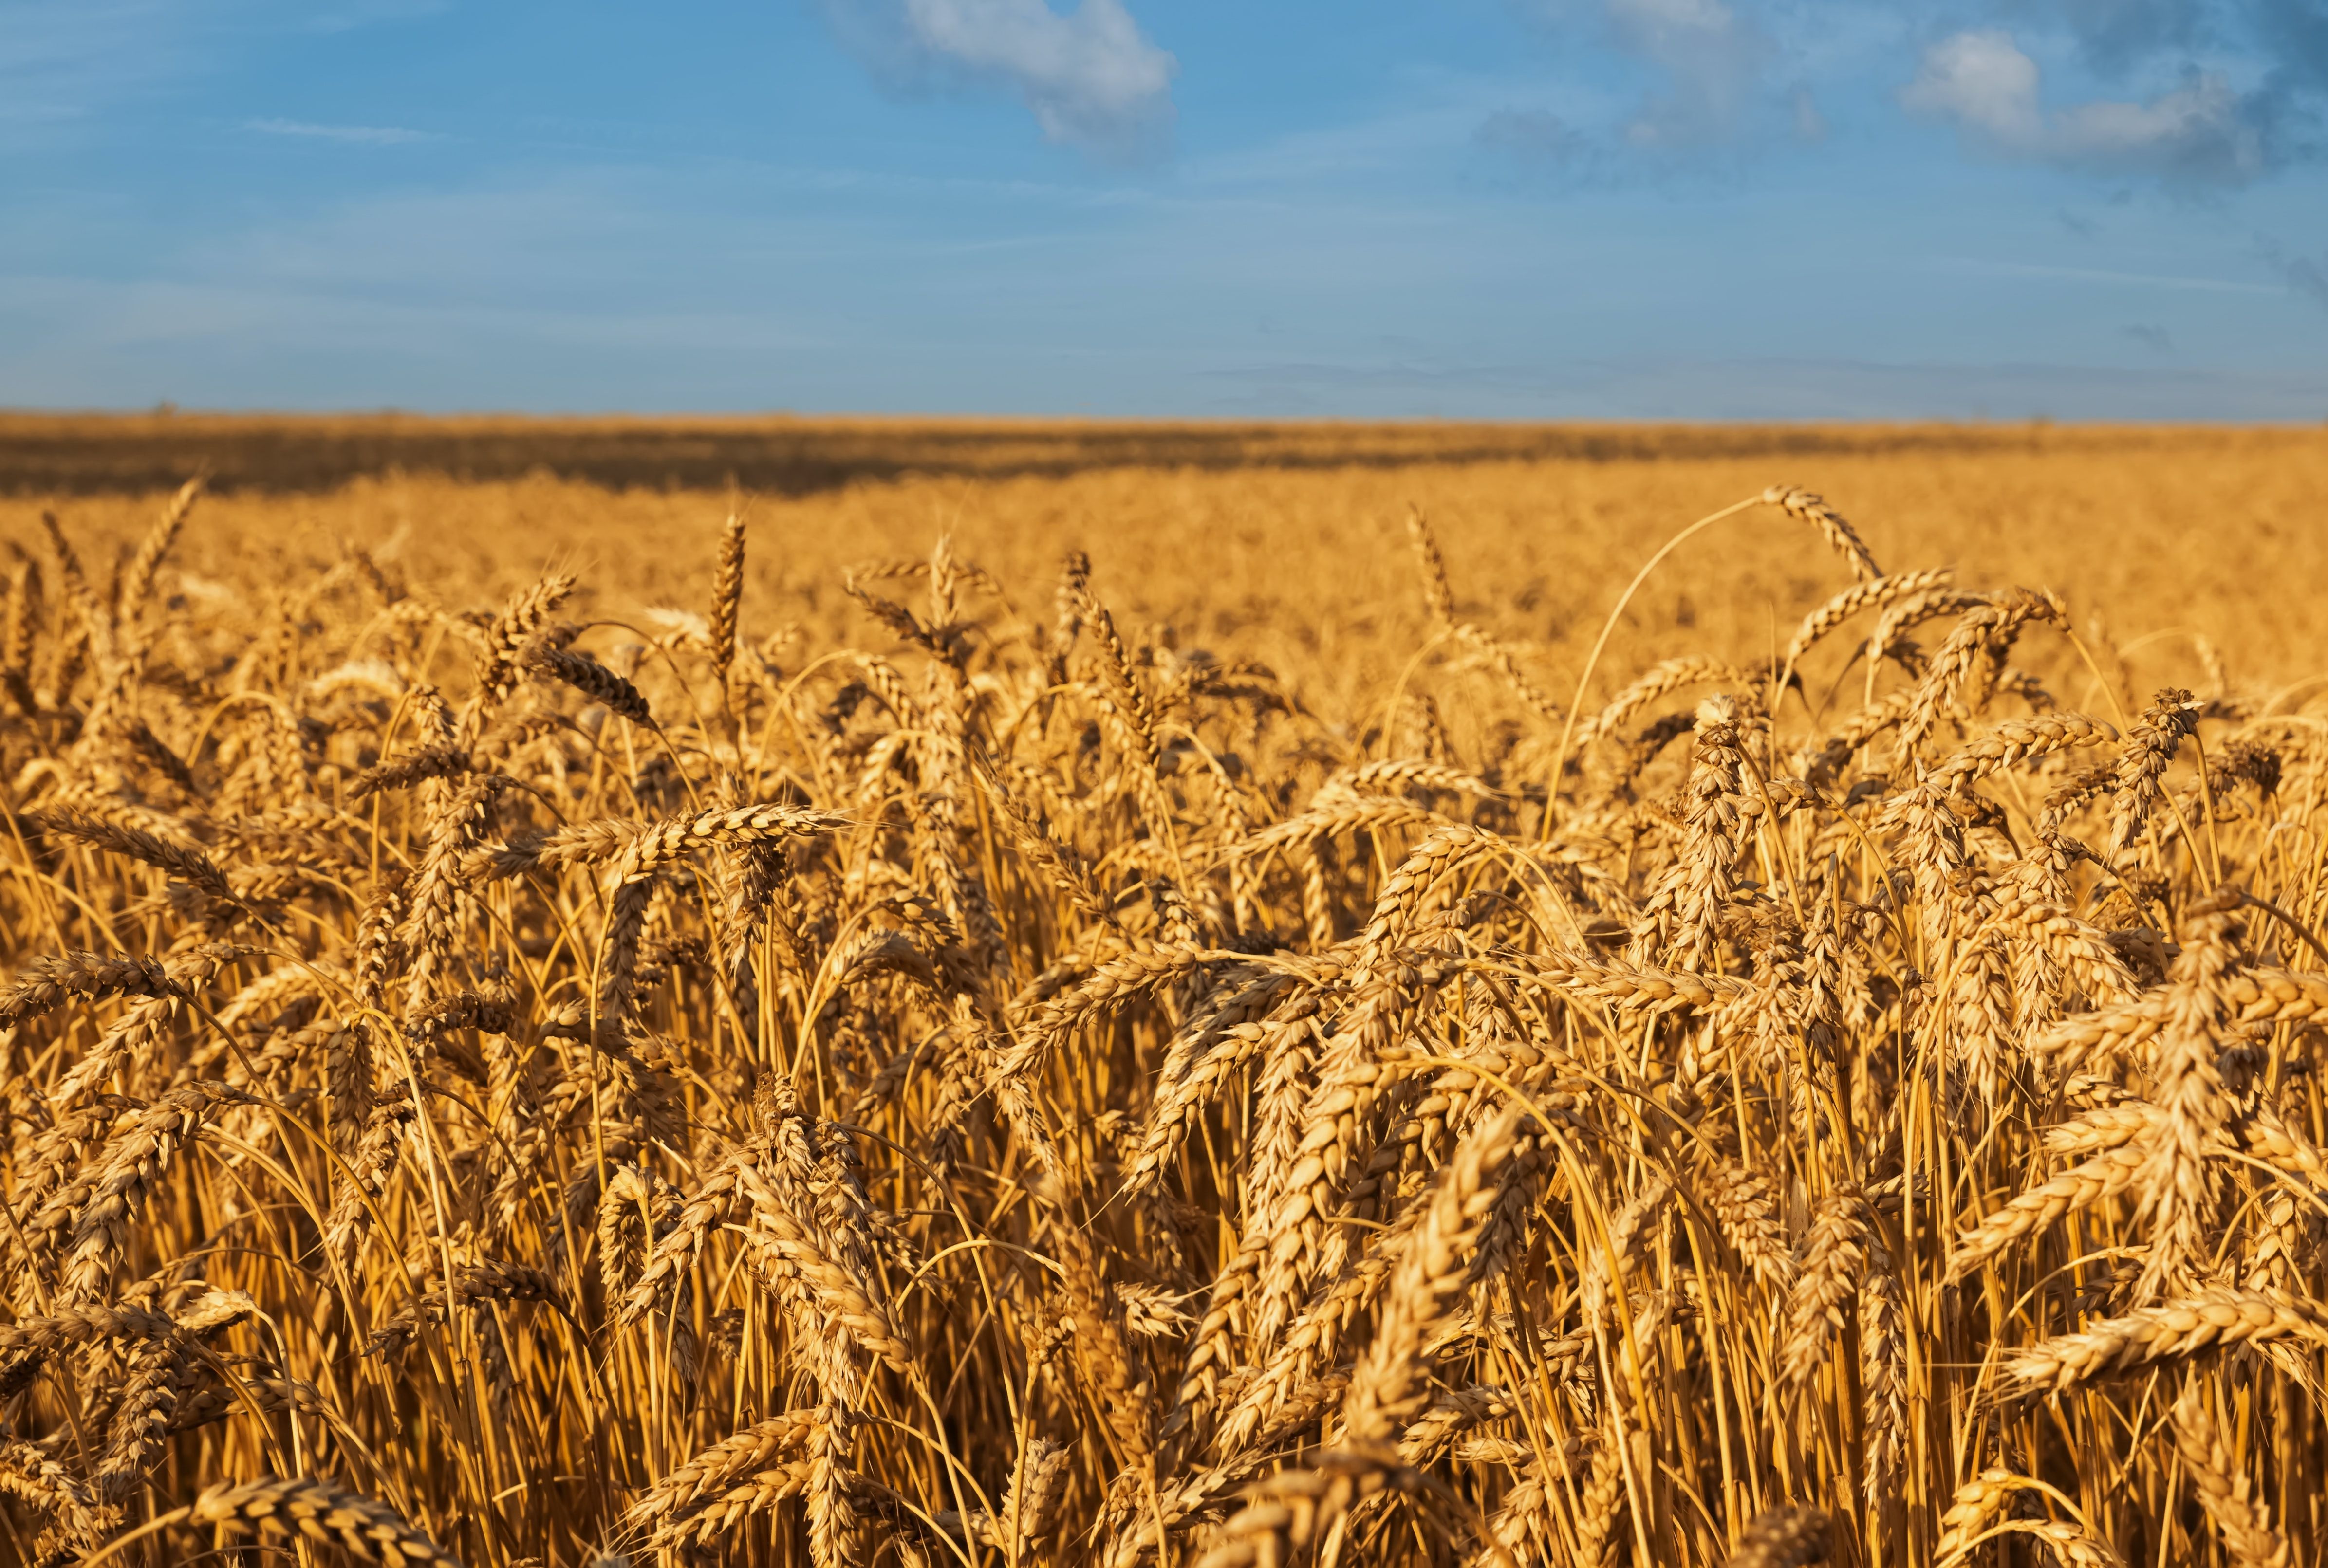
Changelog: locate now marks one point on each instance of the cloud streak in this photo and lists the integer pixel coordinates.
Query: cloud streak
(370, 136)
(2103, 275)
(61, 61)
(68, 64)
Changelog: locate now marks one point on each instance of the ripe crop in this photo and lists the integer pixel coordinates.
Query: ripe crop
(965, 1077)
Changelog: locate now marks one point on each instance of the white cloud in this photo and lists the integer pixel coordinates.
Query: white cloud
(1089, 76)
(1984, 83)
(2200, 128)
(376, 135)
(2202, 132)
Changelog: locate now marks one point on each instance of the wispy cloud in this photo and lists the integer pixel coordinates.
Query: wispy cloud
(1090, 77)
(68, 62)
(2306, 275)
(2202, 133)
(2196, 95)
(1720, 76)
(1537, 136)
(2117, 35)
(2287, 39)
(59, 62)
(2103, 275)
(373, 136)
(1711, 57)
(347, 15)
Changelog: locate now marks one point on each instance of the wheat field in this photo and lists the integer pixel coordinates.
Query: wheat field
(1464, 1010)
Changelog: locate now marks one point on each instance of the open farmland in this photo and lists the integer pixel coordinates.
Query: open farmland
(1194, 996)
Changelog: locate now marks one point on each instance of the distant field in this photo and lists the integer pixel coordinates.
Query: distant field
(1284, 542)
(786, 456)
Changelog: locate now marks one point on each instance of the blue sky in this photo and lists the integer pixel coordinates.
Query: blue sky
(1619, 209)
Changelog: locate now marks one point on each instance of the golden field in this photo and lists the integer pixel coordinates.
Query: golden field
(1188, 995)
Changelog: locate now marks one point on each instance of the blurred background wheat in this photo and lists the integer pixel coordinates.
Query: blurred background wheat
(565, 1024)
